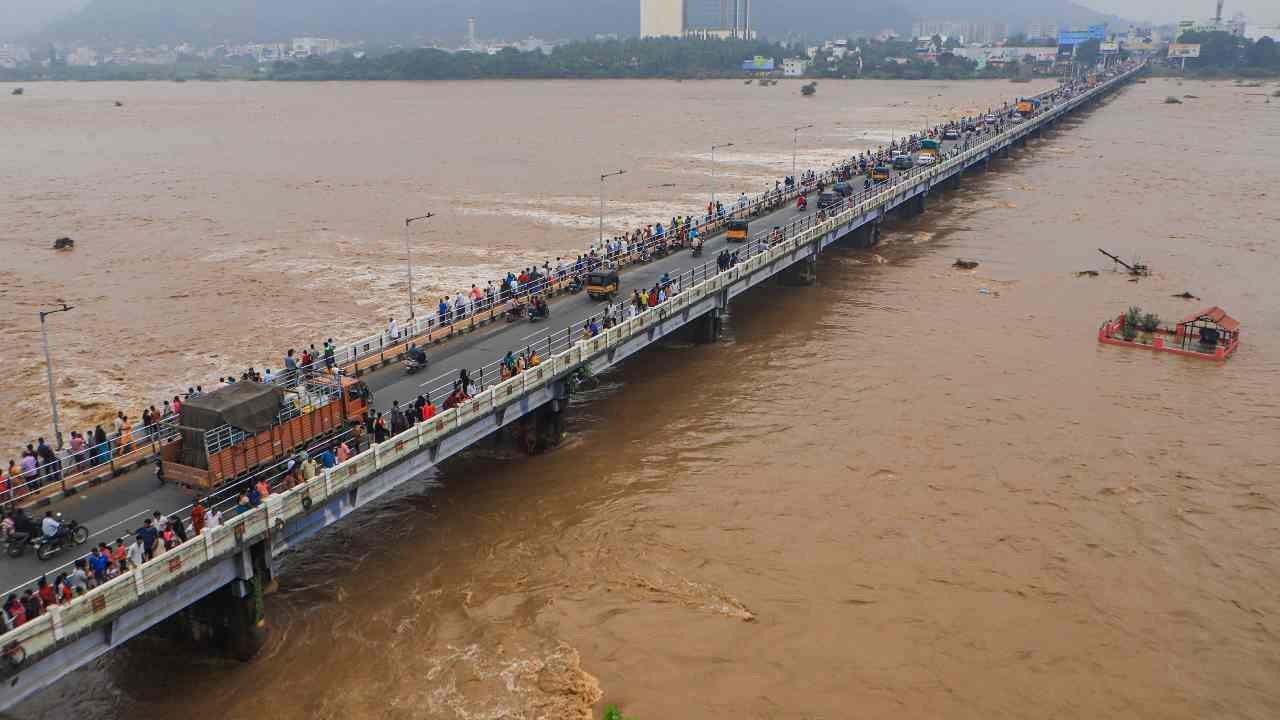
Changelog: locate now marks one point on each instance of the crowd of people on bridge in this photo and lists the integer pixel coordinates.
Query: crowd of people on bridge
(39, 464)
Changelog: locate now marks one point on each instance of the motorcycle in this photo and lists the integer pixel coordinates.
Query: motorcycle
(697, 250)
(72, 532)
(515, 312)
(802, 203)
(414, 360)
(539, 312)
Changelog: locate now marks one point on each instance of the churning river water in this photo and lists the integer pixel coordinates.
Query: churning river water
(909, 491)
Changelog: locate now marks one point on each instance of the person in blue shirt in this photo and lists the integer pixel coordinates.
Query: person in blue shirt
(328, 459)
(148, 533)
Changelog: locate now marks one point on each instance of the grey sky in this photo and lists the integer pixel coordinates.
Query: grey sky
(1169, 11)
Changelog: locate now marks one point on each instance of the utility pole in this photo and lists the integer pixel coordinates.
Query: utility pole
(795, 139)
(713, 168)
(602, 179)
(408, 255)
(48, 368)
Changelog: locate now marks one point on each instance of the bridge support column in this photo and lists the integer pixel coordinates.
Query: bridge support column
(1021, 142)
(231, 621)
(866, 236)
(541, 429)
(706, 329)
(804, 272)
(1003, 153)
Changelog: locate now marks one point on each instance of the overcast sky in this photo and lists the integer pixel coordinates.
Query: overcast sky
(1168, 11)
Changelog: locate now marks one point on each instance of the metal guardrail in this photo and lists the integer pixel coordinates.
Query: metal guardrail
(64, 622)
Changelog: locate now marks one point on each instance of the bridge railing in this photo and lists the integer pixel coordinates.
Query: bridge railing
(107, 601)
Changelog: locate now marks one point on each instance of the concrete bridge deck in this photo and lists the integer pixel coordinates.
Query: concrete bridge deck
(231, 564)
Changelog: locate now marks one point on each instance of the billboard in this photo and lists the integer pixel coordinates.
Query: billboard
(759, 63)
(1076, 37)
(1109, 48)
(1184, 50)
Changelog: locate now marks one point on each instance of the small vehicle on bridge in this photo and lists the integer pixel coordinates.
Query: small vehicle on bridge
(538, 309)
(931, 148)
(951, 132)
(414, 360)
(828, 199)
(925, 160)
(843, 188)
(738, 231)
(1028, 106)
(602, 284)
(903, 162)
(880, 173)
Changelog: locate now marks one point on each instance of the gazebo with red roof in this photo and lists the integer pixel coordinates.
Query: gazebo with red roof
(1210, 330)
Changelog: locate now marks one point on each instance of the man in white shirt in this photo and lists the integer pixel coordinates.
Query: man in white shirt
(50, 525)
(136, 552)
(393, 328)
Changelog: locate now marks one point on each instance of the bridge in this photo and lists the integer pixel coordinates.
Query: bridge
(212, 586)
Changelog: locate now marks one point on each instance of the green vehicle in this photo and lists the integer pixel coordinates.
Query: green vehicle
(930, 147)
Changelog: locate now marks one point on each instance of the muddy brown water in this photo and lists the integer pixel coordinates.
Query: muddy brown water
(887, 495)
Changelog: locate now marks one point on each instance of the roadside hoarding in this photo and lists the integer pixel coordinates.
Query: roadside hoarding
(759, 63)
(1184, 50)
(1109, 48)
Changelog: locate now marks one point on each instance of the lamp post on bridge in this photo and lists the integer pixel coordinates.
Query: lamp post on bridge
(48, 368)
(604, 177)
(795, 139)
(714, 148)
(408, 255)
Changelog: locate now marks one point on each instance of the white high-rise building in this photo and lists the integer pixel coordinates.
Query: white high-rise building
(662, 18)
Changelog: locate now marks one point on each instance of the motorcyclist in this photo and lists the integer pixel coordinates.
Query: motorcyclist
(802, 203)
(417, 355)
(50, 527)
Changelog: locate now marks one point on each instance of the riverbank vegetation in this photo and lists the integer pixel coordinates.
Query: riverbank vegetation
(633, 58)
(1223, 55)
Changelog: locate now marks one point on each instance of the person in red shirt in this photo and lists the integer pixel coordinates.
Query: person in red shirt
(428, 410)
(45, 591)
(197, 518)
(17, 613)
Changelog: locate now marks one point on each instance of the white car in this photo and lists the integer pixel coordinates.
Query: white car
(925, 160)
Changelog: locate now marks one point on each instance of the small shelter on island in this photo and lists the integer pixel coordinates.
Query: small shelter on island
(1211, 331)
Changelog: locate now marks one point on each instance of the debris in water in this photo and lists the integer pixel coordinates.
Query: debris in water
(1137, 269)
(119, 104)
(1171, 100)
(1186, 296)
(966, 264)
(17, 91)
(877, 260)
(1087, 273)
(1191, 97)
(64, 243)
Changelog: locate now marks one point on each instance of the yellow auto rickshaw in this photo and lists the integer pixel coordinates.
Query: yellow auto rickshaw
(737, 231)
(602, 285)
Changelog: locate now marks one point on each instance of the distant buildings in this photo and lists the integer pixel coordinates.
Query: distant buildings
(11, 56)
(662, 18)
(964, 32)
(794, 67)
(302, 47)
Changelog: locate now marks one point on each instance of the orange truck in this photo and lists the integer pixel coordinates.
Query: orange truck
(234, 430)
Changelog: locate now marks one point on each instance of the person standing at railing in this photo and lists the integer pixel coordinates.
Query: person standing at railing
(102, 448)
(30, 473)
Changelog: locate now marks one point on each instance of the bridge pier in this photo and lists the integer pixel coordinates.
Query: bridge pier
(804, 272)
(1021, 142)
(865, 236)
(1003, 154)
(706, 328)
(541, 429)
(229, 622)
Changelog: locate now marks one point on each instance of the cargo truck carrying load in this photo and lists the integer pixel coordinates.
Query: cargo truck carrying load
(246, 425)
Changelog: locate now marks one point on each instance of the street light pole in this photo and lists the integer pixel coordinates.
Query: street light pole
(795, 139)
(408, 255)
(713, 170)
(602, 179)
(48, 368)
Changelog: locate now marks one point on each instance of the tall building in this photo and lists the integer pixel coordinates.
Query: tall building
(716, 18)
(662, 18)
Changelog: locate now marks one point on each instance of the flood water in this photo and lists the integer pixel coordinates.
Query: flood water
(887, 495)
